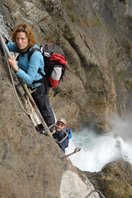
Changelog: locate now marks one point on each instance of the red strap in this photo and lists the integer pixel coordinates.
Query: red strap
(59, 58)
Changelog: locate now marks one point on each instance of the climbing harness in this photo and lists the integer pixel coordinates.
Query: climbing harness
(76, 150)
(34, 112)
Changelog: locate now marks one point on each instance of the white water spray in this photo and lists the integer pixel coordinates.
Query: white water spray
(98, 150)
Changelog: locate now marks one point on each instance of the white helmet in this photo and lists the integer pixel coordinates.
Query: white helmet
(63, 120)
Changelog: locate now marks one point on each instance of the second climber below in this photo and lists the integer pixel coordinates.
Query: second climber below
(61, 133)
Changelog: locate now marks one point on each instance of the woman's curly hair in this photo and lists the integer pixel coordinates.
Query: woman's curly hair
(28, 31)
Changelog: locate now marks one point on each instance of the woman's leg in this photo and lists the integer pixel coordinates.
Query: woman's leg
(41, 98)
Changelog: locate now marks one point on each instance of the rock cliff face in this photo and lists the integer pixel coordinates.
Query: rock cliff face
(96, 37)
(31, 164)
(113, 181)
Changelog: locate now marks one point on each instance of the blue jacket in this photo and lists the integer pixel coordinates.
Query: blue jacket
(28, 71)
(59, 135)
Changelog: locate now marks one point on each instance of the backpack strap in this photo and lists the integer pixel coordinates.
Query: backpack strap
(30, 52)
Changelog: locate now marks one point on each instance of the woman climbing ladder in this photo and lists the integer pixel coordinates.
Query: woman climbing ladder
(23, 41)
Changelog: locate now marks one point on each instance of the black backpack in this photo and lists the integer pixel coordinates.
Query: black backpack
(55, 62)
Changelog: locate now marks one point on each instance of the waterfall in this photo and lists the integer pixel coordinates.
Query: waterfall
(98, 150)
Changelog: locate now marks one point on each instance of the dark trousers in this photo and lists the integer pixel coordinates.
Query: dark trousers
(41, 98)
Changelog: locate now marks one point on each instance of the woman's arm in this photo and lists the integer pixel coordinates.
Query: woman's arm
(12, 47)
(36, 61)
